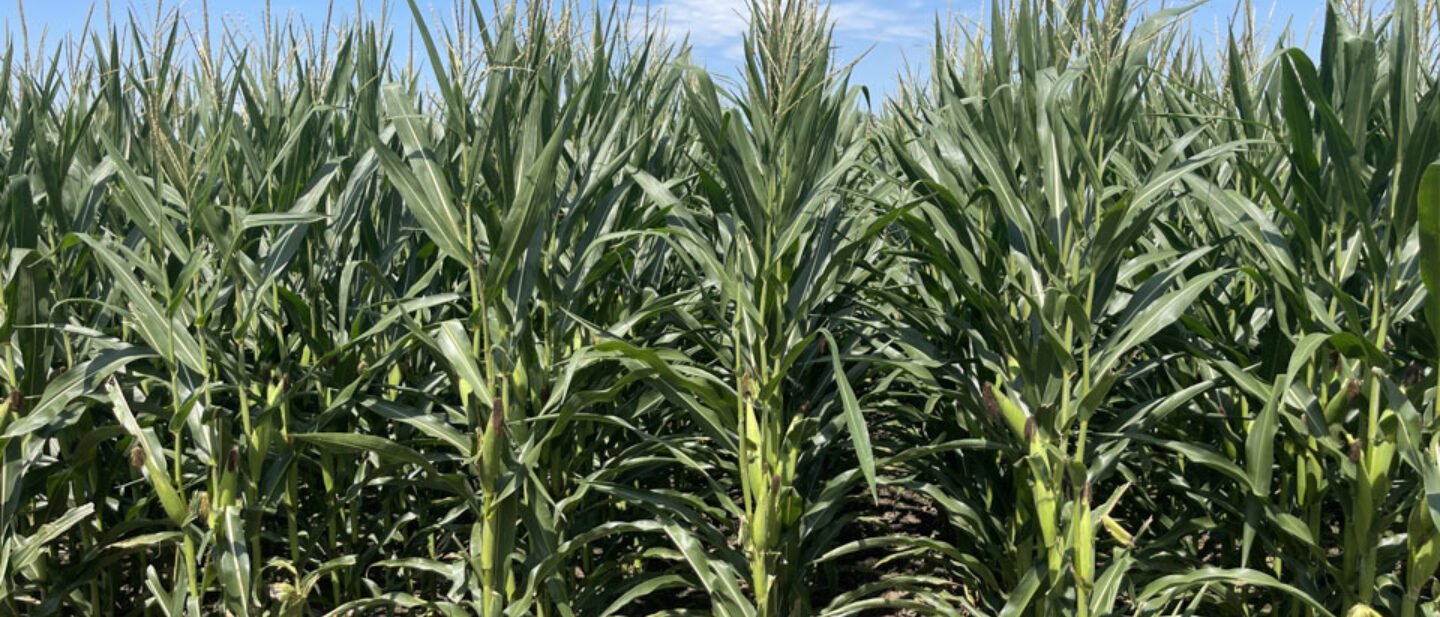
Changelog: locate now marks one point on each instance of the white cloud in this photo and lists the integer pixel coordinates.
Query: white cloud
(709, 23)
(866, 20)
(720, 24)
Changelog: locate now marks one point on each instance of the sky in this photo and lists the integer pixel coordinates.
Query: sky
(886, 36)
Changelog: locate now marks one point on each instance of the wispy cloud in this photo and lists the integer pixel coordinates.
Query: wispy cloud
(708, 23)
(868, 22)
(718, 25)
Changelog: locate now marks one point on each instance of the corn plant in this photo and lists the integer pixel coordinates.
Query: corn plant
(527, 314)
(1021, 255)
(1049, 266)
(775, 216)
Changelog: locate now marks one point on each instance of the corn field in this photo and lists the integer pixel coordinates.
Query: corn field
(533, 316)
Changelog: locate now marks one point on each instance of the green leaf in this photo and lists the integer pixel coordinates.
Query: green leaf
(1151, 318)
(54, 411)
(854, 420)
(1428, 226)
(167, 336)
(27, 549)
(454, 343)
(422, 183)
(1169, 585)
(361, 443)
(234, 561)
(157, 470)
(1019, 598)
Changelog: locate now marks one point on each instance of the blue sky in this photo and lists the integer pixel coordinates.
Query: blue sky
(893, 32)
